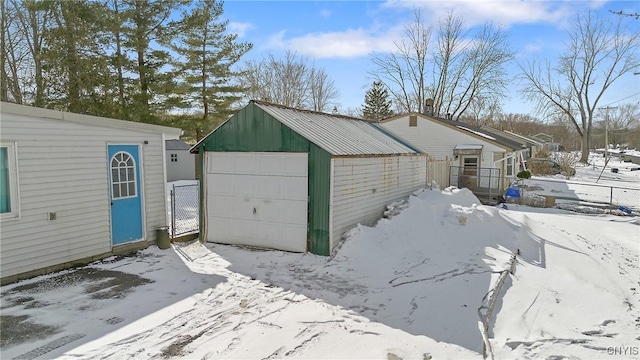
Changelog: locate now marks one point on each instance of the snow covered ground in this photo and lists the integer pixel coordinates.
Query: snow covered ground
(593, 185)
(408, 288)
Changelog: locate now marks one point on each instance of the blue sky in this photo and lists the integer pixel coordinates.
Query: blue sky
(341, 35)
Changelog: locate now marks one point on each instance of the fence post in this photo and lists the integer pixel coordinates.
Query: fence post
(611, 199)
(173, 212)
(490, 183)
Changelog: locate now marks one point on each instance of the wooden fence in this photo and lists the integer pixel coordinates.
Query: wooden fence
(438, 171)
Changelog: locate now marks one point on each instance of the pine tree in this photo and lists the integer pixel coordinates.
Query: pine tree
(207, 54)
(377, 105)
(76, 69)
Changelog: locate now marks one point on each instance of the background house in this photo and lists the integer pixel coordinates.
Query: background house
(483, 162)
(76, 188)
(547, 141)
(296, 180)
(181, 164)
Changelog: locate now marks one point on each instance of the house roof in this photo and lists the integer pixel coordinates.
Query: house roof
(511, 136)
(544, 138)
(477, 132)
(176, 144)
(24, 110)
(336, 134)
(526, 138)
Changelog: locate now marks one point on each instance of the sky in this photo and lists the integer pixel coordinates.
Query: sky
(340, 36)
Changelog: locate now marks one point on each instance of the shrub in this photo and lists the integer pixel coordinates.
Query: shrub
(542, 153)
(524, 174)
(541, 167)
(568, 162)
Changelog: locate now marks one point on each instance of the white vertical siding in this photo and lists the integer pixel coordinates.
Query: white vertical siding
(363, 186)
(438, 140)
(62, 168)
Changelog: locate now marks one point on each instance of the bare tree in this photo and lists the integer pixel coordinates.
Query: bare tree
(462, 66)
(619, 121)
(289, 82)
(322, 90)
(482, 111)
(598, 53)
(403, 71)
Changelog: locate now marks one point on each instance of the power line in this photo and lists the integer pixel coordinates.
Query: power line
(632, 95)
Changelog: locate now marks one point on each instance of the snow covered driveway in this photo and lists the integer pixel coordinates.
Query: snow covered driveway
(408, 288)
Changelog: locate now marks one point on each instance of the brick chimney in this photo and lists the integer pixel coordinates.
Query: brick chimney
(428, 107)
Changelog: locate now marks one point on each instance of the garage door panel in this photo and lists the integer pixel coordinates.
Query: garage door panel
(264, 187)
(277, 211)
(281, 212)
(260, 234)
(280, 187)
(258, 199)
(230, 207)
(293, 164)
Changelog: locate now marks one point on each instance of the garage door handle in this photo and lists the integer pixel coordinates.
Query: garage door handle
(254, 211)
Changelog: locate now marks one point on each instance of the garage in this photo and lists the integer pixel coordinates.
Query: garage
(258, 199)
(297, 180)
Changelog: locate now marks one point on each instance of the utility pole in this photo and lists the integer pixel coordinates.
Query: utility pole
(606, 136)
(606, 127)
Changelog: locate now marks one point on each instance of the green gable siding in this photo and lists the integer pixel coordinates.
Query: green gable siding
(253, 130)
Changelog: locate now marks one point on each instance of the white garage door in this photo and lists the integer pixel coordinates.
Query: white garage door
(257, 199)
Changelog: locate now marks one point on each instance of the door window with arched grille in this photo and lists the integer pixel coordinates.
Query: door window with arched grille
(123, 176)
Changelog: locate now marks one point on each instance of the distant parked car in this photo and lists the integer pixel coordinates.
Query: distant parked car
(544, 166)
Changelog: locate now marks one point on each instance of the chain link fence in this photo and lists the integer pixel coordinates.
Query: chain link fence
(185, 209)
(626, 199)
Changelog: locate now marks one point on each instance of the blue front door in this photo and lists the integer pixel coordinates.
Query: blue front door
(126, 198)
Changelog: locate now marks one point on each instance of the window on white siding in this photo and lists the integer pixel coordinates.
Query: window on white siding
(123, 176)
(510, 166)
(8, 181)
(174, 157)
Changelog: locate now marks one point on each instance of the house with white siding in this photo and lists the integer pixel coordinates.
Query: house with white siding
(181, 164)
(297, 180)
(75, 188)
(484, 162)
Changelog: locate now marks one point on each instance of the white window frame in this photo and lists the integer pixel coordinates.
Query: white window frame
(128, 181)
(510, 163)
(14, 192)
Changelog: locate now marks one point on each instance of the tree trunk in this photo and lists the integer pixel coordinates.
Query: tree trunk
(3, 75)
(141, 47)
(584, 148)
(119, 65)
(37, 59)
(72, 64)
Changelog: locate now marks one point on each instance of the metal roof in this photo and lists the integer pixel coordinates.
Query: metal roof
(337, 134)
(512, 136)
(177, 145)
(502, 140)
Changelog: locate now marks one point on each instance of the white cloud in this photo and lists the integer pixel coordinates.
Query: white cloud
(505, 12)
(350, 43)
(325, 13)
(239, 28)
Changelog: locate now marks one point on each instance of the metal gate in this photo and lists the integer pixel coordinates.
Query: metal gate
(185, 209)
(485, 183)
